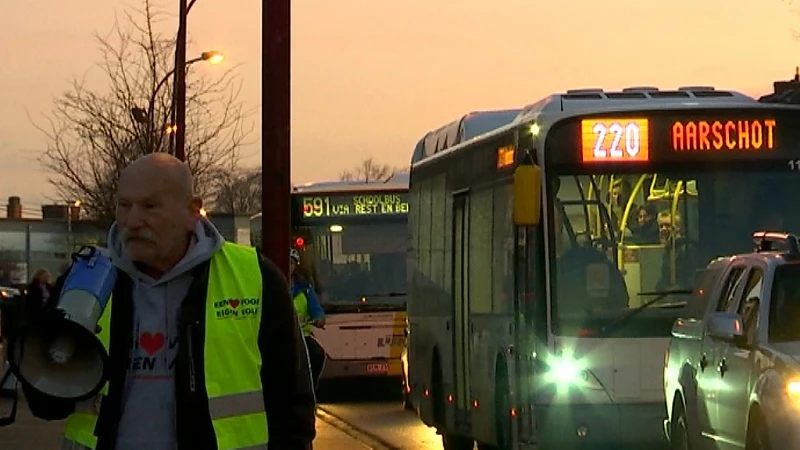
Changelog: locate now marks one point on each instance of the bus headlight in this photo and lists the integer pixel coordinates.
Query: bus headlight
(568, 373)
(565, 370)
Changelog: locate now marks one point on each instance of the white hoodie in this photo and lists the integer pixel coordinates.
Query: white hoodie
(148, 403)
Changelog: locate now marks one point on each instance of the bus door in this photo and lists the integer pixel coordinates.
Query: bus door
(531, 321)
(461, 339)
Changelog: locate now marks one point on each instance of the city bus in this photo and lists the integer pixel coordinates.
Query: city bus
(352, 238)
(550, 257)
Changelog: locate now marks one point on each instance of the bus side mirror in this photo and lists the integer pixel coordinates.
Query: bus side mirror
(527, 195)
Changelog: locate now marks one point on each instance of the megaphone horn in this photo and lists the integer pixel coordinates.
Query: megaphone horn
(59, 354)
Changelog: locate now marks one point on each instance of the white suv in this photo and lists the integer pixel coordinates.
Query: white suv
(732, 370)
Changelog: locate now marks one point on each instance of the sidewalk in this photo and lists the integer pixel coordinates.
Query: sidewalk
(30, 433)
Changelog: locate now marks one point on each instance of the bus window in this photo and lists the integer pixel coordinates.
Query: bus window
(360, 262)
(587, 280)
(503, 250)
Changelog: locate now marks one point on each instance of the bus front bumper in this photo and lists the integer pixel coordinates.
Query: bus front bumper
(601, 425)
(355, 368)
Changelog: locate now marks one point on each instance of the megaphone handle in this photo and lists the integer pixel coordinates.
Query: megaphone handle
(6, 421)
(80, 253)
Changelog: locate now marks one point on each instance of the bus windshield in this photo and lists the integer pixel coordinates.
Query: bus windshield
(619, 240)
(361, 263)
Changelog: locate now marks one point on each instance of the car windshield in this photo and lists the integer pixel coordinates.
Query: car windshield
(621, 240)
(784, 308)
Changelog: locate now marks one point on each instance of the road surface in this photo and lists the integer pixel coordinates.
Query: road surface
(387, 421)
(30, 433)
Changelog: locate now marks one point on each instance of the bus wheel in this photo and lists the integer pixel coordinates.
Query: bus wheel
(407, 405)
(437, 397)
(502, 417)
(502, 420)
(453, 442)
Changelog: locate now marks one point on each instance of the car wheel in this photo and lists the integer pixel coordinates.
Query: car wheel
(679, 434)
(758, 438)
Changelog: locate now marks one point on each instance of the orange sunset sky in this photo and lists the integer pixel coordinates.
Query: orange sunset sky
(371, 77)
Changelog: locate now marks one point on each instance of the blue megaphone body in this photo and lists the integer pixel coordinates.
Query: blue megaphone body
(59, 355)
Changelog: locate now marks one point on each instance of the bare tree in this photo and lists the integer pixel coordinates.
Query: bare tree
(94, 133)
(368, 171)
(238, 191)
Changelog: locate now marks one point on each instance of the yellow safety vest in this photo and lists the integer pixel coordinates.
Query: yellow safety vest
(301, 307)
(233, 380)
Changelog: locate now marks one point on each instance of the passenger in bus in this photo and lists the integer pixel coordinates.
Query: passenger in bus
(645, 229)
(678, 249)
(618, 199)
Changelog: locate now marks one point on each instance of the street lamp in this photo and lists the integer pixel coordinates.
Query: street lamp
(146, 116)
(70, 241)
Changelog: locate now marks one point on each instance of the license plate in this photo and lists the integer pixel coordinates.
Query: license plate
(377, 368)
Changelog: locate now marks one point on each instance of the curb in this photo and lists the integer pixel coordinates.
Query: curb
(363, 436)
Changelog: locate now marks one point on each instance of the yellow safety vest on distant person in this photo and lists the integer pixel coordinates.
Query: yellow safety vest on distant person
(233, 379)
(301, 307)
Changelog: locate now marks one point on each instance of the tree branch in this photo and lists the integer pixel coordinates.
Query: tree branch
(92, 135)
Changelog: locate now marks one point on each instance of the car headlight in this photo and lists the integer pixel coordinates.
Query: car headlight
(793, 391)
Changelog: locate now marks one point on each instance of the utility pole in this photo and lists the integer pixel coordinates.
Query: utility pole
(275, 150)
(180, 83)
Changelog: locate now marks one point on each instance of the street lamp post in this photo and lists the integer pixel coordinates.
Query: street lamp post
(180, 83)
(147, 116)
(70, 240)
(275, 151)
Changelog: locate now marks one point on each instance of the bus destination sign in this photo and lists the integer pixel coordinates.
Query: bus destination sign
(354, 205)
(742, 134)
(615, 140)
(756, 135)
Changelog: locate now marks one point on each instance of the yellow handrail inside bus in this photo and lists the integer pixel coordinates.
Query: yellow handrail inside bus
(595, 221)
(628, 206)
(673, 210)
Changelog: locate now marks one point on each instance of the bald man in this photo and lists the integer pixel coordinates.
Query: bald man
(204, 353)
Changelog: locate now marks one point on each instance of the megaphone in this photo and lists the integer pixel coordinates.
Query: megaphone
(59, 354)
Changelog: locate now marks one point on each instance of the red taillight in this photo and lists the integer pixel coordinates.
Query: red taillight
(585, 332)
(299, 242)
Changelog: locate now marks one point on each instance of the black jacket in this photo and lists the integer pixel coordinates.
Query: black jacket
(34, 304)
(286, 379)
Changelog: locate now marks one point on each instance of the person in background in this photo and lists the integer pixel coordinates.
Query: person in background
(205, 350)
(5, 279)
(309, 313)
(37, 298)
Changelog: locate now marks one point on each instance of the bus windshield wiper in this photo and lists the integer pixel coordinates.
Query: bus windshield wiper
(607, 329)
